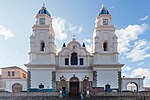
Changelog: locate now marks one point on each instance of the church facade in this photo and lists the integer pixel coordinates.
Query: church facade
(73, 69)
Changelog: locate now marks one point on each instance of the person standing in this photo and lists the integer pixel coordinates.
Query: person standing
(82, 96)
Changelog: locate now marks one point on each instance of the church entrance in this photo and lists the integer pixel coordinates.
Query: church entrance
(63, 84)
(84, 86)
(74, 86)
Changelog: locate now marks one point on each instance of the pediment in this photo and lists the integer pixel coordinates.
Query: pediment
(73, 46)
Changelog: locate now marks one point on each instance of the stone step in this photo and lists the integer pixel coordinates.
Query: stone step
(73, 98)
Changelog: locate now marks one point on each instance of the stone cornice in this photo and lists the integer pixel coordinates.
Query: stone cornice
(43, 53)
(39, 65)
(105, 53)
(74, 68)
(108, 65)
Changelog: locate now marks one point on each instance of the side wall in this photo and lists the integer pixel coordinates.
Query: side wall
(138, 81)
(109, 76)
(39, 76)
(11, 82)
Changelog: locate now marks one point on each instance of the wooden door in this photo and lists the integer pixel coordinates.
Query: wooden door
(74, 88)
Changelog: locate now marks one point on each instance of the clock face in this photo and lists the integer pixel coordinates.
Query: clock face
(105, 21)
(42, 20)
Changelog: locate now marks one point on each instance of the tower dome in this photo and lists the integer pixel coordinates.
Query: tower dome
(44, 11)
(103, 10)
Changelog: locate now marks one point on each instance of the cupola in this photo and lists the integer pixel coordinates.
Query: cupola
(103, 10)
(43, 10)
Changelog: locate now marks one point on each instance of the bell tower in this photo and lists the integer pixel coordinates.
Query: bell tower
(42, 45)
(105, 39)
(105, 53)
(42, 51)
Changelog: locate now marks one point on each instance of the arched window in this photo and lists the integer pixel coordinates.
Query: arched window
(42, 46)
(74, 59)
(105, 46)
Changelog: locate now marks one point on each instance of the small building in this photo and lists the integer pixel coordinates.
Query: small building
(13, 79)
(132, 84)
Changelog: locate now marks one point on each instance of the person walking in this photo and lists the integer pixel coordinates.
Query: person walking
(82, 96)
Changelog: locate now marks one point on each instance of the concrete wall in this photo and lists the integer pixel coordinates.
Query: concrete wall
(107, 76)
(138, 81)
(18, 73)
(55, 96)
(43, 76)
(11, 82)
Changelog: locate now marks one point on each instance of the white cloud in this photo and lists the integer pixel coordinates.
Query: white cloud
(129, 34)
(89, 48)
(59, 28)
(6, 32)
(140, 72)
(75, 29)
(140, 51)
(141, 63)
(87, 40)
(126, 68)
(63, 27)
(144, 18)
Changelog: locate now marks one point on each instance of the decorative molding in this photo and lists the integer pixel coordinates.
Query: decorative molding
(29, 80)
(119, 81)
(53, 79)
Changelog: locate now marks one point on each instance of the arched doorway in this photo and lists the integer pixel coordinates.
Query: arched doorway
(132, 87)
(84, 86)
(74, 86)
(17, 88)
(63, 84)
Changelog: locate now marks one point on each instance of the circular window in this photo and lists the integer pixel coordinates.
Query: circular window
(74, 47)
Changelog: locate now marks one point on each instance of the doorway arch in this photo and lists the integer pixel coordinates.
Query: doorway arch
(132, 86)
(63, 84)
(74, 86)
(17, 87)
(85, 84)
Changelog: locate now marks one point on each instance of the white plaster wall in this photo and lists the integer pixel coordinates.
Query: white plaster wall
(86, 61)
(110, 77)
(11, 82)
(2, 84)
(41, 76)
(106, 59)
(138, 81)
(78, 73)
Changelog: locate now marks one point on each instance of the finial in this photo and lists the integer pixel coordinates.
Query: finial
(43, 4)
(73, 36)
(102, 5)
(73, 39)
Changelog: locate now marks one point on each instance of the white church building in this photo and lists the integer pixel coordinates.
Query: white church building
(74, 69)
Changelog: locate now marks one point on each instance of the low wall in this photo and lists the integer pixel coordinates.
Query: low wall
(121, 96)
(55, 96)
(29, 96)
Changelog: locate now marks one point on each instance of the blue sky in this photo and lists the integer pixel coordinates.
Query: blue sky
(77, 17)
